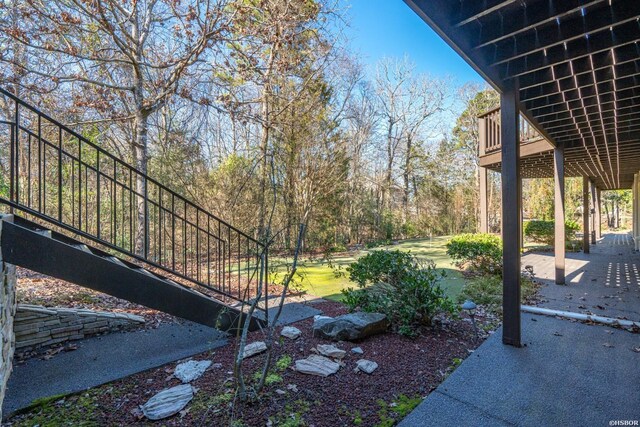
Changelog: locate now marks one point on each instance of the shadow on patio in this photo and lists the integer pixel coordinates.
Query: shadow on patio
(568, 373)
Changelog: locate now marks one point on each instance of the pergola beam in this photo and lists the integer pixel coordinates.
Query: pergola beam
(483, 8)
(575, 49)
(574, 95)
(508, 25)
(625, 77)
(557, 33)
(620, 104)
(563, 71)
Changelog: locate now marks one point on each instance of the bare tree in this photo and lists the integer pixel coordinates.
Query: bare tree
(129, 57)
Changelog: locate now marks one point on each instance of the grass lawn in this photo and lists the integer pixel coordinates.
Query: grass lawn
(318, 278)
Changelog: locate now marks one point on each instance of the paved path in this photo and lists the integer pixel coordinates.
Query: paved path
(107, 358)
(565, 376)
(110, 357)
(604, 282)
(569, 373)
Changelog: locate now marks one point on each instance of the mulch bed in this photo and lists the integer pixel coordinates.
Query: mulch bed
(410, 367)
(38, 289)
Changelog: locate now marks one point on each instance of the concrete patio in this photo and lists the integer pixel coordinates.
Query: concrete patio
(605, 282)
(567, 373)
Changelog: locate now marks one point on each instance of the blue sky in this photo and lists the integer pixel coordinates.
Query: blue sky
(389, 28)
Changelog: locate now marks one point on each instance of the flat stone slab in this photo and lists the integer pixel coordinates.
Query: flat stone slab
(168, 402)
(366, 366)
(254, 348)
(291, 332)
(191, 370)
(317, 365)
(330, 350)
(107, 358)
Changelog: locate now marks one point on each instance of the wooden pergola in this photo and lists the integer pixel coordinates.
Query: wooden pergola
(568, 74)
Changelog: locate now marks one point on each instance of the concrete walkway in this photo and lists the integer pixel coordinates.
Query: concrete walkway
(605, 282)
(110, 357)
(107, 358)
(568, 373)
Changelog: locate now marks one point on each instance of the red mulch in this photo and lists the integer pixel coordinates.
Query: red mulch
(38, 289)
(406, 366)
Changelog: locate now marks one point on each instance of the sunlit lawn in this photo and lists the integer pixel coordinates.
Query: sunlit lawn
(318, 278)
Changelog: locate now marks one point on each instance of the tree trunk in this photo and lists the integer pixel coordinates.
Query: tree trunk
(406, 178)
(264, 148)
(141, 158)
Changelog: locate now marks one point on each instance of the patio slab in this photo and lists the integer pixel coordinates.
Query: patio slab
(605, 282)
(568, 374)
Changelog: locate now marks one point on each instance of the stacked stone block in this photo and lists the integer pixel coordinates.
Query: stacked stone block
(37, 326)
(7, 313)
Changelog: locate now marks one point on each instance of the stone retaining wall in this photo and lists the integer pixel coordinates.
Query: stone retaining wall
(37, 326)
(7, 312)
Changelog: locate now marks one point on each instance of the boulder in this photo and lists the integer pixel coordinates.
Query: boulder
(191, 370)
(291, 332)
(253, 349)
(167, 402)
(367, 366)
(331, 350)
(317, 365)
(350, 327)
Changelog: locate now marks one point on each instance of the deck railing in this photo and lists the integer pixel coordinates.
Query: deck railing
(489, 129)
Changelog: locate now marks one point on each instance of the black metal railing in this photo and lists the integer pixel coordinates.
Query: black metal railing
(57, 175)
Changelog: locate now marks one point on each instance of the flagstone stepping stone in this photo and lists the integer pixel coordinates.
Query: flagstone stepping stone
(366, 366)
(191, 370)
(317, 365)
(168, 402)
(330, 350)
(291, 332)
(253, 349)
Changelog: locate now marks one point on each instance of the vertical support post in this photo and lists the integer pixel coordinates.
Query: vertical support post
(592, 207)
(521, 222)
(635, 210)
(484, 201)
(511, 202)
(559, 214)
(598, 214)
(585, 214)
(634, 216)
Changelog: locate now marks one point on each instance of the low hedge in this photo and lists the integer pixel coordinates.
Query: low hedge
(544, 231)
(480, 253)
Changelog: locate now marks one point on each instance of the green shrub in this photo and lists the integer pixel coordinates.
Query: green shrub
(544, 231)
(397, 284)
(487, 291)
(480, 253)
(377, 243)
(337, 248)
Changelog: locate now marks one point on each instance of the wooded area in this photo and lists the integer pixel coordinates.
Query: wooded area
(246, 104)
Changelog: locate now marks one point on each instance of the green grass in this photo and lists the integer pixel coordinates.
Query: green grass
(319, 279)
